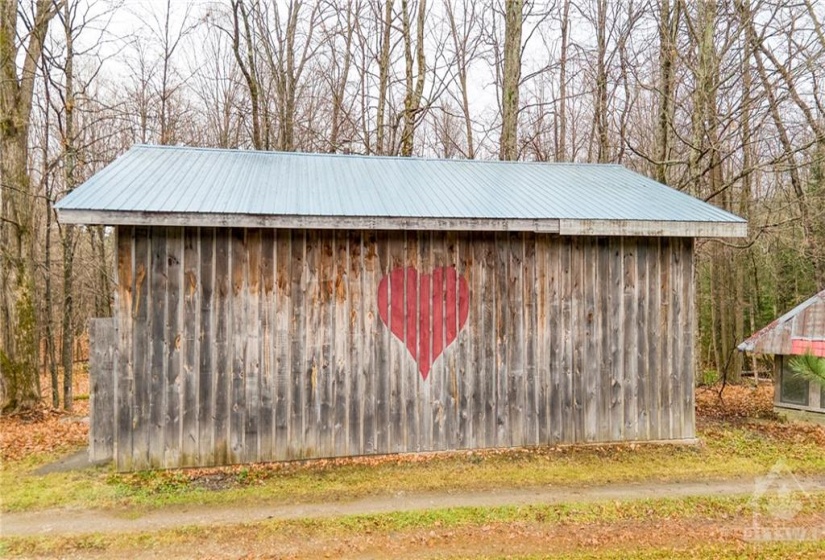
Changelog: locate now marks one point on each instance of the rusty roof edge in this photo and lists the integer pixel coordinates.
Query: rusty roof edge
(752, 342)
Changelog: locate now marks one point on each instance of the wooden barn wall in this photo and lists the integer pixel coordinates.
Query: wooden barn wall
(239, 345)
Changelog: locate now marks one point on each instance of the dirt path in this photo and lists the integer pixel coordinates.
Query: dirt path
(80, 522)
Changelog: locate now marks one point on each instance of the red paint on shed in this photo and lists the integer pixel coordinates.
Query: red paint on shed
(407, 299)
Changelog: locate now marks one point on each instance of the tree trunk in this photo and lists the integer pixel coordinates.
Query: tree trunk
(69, 162)
(668, 29)
(561, 136)
(412, 101)
(600, 117)
(511, 79)
(383, 77)
(246, 63)
(461, 46)
(18, 322)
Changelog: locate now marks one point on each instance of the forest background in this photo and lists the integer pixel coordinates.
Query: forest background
(722, 99)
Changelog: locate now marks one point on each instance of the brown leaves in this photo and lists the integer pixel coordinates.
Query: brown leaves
(752, 408)
(47, 430)
(44, 430)
(735, 402)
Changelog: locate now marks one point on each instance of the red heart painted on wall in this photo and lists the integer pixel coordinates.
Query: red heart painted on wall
(424, 308)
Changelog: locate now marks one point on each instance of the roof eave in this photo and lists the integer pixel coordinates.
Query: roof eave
(572, 227)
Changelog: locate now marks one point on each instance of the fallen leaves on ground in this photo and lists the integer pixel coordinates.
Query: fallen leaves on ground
(752, 408)
(791, 432)
(735, 402)
(44, 429)
(681, 537)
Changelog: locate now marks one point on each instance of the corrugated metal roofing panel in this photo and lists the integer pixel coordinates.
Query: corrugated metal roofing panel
(796, 329)
(170, 183)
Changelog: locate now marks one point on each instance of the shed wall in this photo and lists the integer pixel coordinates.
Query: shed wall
(239, 345)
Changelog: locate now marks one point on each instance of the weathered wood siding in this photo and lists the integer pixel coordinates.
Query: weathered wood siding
(101, 398)
(243, 345)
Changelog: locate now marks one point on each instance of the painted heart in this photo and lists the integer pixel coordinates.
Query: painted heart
(424, 311)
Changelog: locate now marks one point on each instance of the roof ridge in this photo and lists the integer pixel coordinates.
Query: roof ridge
(374, 156)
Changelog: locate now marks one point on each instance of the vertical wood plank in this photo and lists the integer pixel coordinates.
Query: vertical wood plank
(591, 328)
(439, 372)
(313, 335)
(629, 344)
(553, 339)
(604, 340)
(102, 344)
(675, 346)
(298, 340)
(616, 313)
(396, 351)
(688, 328)
(643, 255)
(173, 341)
(534, 389)
(128, 294)
(342, 342)
(542, 345)
(239, 298)
(159, 366)
(382, 357)
(207, 342)
(424, 347)
(664, 341)
(252, 352)
(371, 276)
(469, 401)
(514, 341)
(653, 373)
(191, 348)
(142, 347)
(268, 351)
(356, 348)
(503, 428)
(482, 332)
(569, 310)
(408, 367)
(324, 342)
(451, 391)
(284, 322)
(580, 334)
(223, 348)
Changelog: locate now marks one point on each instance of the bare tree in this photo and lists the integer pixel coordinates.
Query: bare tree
(466, 40)
(511, 79)
(669, 16)
(18, 352)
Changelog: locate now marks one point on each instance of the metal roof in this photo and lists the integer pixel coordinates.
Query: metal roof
(800, 330)
(195, 186)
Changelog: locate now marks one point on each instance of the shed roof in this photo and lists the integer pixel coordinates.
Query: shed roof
(154, 185)
(800, 330)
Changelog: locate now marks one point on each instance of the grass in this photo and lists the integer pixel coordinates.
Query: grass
(400, 525)
(744, 443)
(726, 451)
(724, 551)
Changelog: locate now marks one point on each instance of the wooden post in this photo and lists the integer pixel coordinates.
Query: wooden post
(101, 400)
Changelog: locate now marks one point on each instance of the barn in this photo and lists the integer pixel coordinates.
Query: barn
(277, 306)
(799, 331)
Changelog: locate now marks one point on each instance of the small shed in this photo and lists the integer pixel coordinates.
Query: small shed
(799, 331)
(274, 306)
